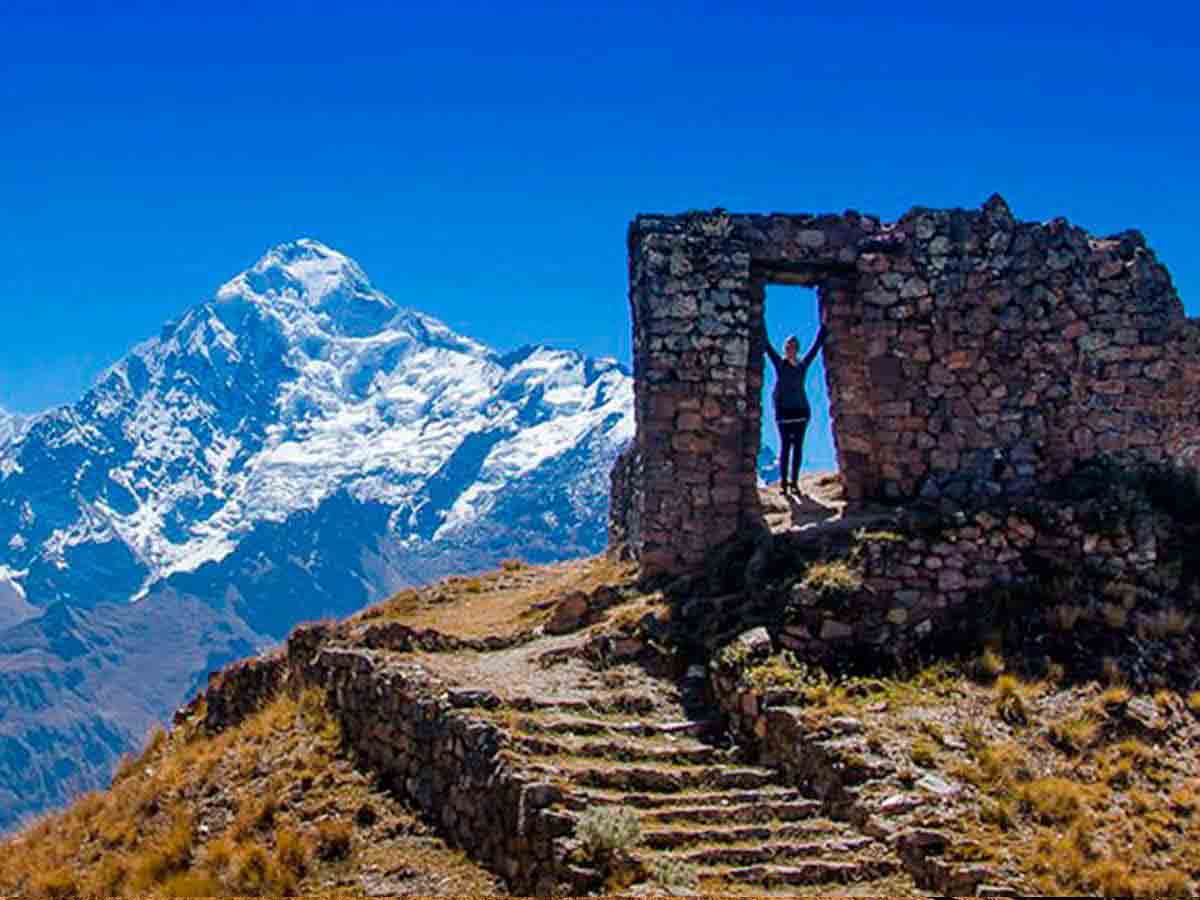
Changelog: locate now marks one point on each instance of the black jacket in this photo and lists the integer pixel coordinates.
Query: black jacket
(789, 393)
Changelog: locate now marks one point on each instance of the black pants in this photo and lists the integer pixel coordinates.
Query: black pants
(792, 425)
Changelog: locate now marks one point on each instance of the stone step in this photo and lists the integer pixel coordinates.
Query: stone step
(834, 851)
(808, 832)
(585, 726)
(582, 798)
(741, 813)
(661, 779)
(628, 705)
(804, 872)
(627, 749)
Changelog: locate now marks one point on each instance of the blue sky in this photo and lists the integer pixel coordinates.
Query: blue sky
(482, 162)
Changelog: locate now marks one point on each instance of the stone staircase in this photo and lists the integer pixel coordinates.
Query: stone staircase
(699, 802)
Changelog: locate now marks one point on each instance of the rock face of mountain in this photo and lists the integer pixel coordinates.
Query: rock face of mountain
(298, 446)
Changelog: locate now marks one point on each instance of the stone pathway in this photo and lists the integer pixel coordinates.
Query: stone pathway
(625, 738)
(818, 509)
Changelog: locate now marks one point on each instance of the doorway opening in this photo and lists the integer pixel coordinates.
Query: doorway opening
(793, 310)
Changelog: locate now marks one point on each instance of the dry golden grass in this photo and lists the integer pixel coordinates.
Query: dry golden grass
(1076, 733)
(990, 664)
(508, 601)
(1076, 804)
(924, 752)
(1012, 699)
(264, 809)
(835, 576)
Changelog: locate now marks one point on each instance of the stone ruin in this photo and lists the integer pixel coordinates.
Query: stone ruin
(970, 357)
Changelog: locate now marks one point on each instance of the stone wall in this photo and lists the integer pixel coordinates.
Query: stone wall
(832, 758)
(240, 690)
(968, 355)
(622, 504)
(932, 579)
(423, 741)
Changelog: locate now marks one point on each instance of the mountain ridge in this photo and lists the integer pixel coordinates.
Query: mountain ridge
(295, 446)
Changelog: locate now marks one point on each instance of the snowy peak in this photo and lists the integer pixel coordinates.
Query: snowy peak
(297, 381)
(11, 427)
(306, 282)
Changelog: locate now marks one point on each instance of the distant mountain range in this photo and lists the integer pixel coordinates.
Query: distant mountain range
(298, 446)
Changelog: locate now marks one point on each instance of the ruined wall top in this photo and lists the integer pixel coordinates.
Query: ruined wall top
(968, 355)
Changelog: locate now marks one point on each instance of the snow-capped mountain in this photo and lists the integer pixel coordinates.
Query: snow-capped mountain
(12, 427)
(297, 446)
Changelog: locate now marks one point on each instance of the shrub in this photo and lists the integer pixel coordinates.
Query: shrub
(989, 665)
(512, 565)
(996, 766)
(166, 856)
(290, 851)
(192, 884)
(1111, 672)
(1054, 800)
(333, 840)
(1073, 735)
(1118, 774)
(1000, 813)
(107, 877)
(1010, 700)
(1114, 697)
(605, 830)
(924, 752)
(55, 884)
(670, 872)
(831, 578)
(1184, 800)
(256, 816)
(218, 853)
(251, 870)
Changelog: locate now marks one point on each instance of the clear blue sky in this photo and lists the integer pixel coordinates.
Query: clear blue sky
(482, 162)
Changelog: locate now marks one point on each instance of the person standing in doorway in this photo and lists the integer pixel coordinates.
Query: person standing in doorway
(792, 412)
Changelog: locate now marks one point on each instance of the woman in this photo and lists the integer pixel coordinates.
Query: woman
(792, 411)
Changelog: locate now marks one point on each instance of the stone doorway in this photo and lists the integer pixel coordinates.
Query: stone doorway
(794, 310)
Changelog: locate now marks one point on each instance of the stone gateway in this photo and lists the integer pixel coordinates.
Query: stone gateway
(969, 356)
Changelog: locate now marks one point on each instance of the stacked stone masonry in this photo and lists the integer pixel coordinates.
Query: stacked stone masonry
(919, 585)
(422, 739)
(831, 759)
(968, 356)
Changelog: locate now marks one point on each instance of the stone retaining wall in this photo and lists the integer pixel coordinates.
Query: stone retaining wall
(917, 587)
(834, 761)
(895, 593)
(240, 690)
(424, 741)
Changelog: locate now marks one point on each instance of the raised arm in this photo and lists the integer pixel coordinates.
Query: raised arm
(775, 358)
(814, 349)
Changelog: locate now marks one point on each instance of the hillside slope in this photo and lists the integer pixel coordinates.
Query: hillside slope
(584, 688)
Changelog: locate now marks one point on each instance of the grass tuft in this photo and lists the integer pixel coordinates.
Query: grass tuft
(605, 830)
